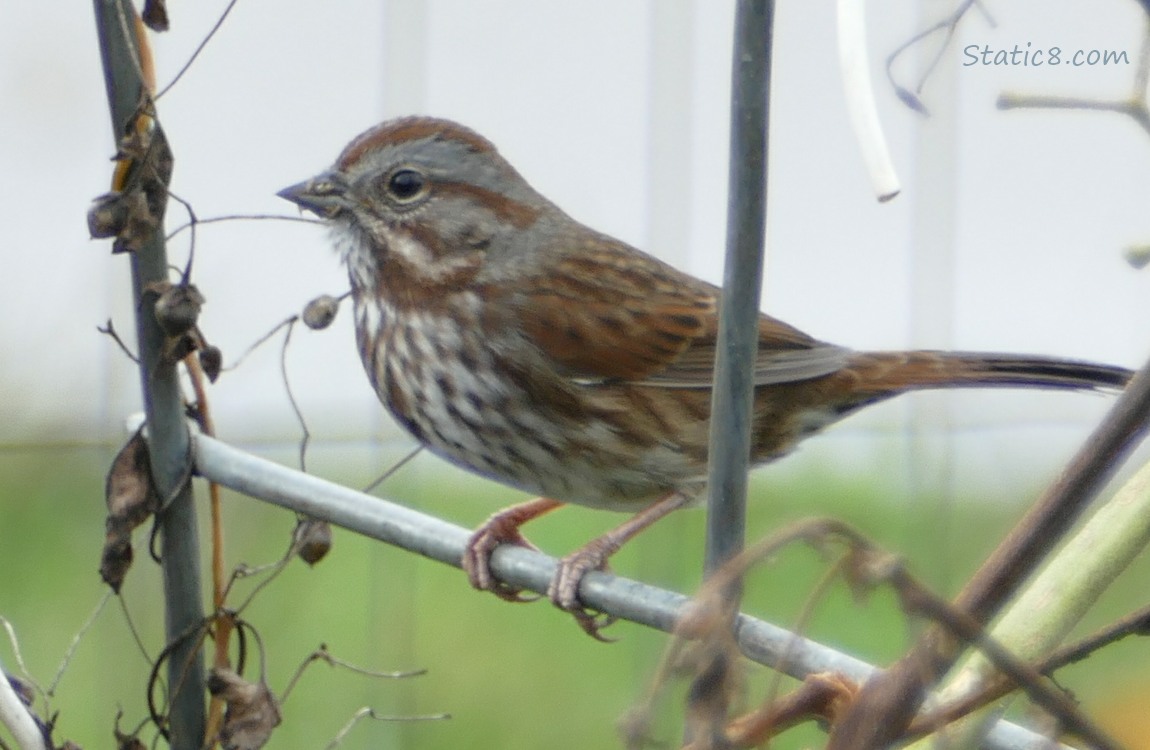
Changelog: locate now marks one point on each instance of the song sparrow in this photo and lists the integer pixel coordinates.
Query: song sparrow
(516, 342)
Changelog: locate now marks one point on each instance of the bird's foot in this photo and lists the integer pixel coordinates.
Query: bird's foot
(501, 528)
(564, 589)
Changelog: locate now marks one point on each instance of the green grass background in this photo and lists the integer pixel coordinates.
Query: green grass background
(511, 676)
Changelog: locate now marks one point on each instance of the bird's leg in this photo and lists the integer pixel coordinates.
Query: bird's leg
(564, 588)
(501, 528)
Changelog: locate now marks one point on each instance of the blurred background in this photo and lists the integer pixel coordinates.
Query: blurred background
(1009, 235)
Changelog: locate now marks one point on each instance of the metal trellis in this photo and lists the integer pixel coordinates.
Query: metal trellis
(168, 444)
(743, 273)
(437, 539)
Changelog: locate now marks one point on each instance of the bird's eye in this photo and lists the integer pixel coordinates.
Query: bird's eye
(406, 185)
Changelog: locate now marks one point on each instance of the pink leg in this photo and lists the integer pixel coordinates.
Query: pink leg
(564, 588)
(501, 528)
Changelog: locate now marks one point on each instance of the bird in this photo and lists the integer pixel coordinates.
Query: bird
(513, 341)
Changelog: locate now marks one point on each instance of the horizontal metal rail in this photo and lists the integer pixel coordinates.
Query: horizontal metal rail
(619, 597)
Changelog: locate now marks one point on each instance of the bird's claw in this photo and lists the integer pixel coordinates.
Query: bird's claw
(476, 560)
(592, 623)
(564, 590)
(513, 594)
(503, 528)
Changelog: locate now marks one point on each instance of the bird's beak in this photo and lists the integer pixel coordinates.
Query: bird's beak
(322, 195)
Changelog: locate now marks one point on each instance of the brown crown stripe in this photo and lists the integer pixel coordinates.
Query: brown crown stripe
(406, 129)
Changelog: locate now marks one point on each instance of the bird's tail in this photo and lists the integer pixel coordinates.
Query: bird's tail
(928, 369)
(869, 377)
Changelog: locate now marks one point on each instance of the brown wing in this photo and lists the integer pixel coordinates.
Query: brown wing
(785, 355)
(616, 314)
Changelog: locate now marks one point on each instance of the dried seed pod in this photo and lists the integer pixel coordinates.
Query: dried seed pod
(252, 711)
(320, 312)
(178, 308)
(313, 538)
(212, 361)
(131, 499)
(107, 216)
(140, 223)
(1138, 256)
(126, 741)
(129, 742)
(116, 559)
(155, 15)
(178, 347)
(127, 216)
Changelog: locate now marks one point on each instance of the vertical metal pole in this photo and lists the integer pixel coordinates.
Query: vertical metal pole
(742, 280)
(164, 407)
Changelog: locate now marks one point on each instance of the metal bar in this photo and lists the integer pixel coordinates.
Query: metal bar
(19, 720)
(439, 540)
(742, 279)
(168, 442)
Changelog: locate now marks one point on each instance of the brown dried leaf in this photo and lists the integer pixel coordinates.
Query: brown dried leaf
(252, 711)
(130, 496)
(137, 140)
(143, 173)
(131, 499)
